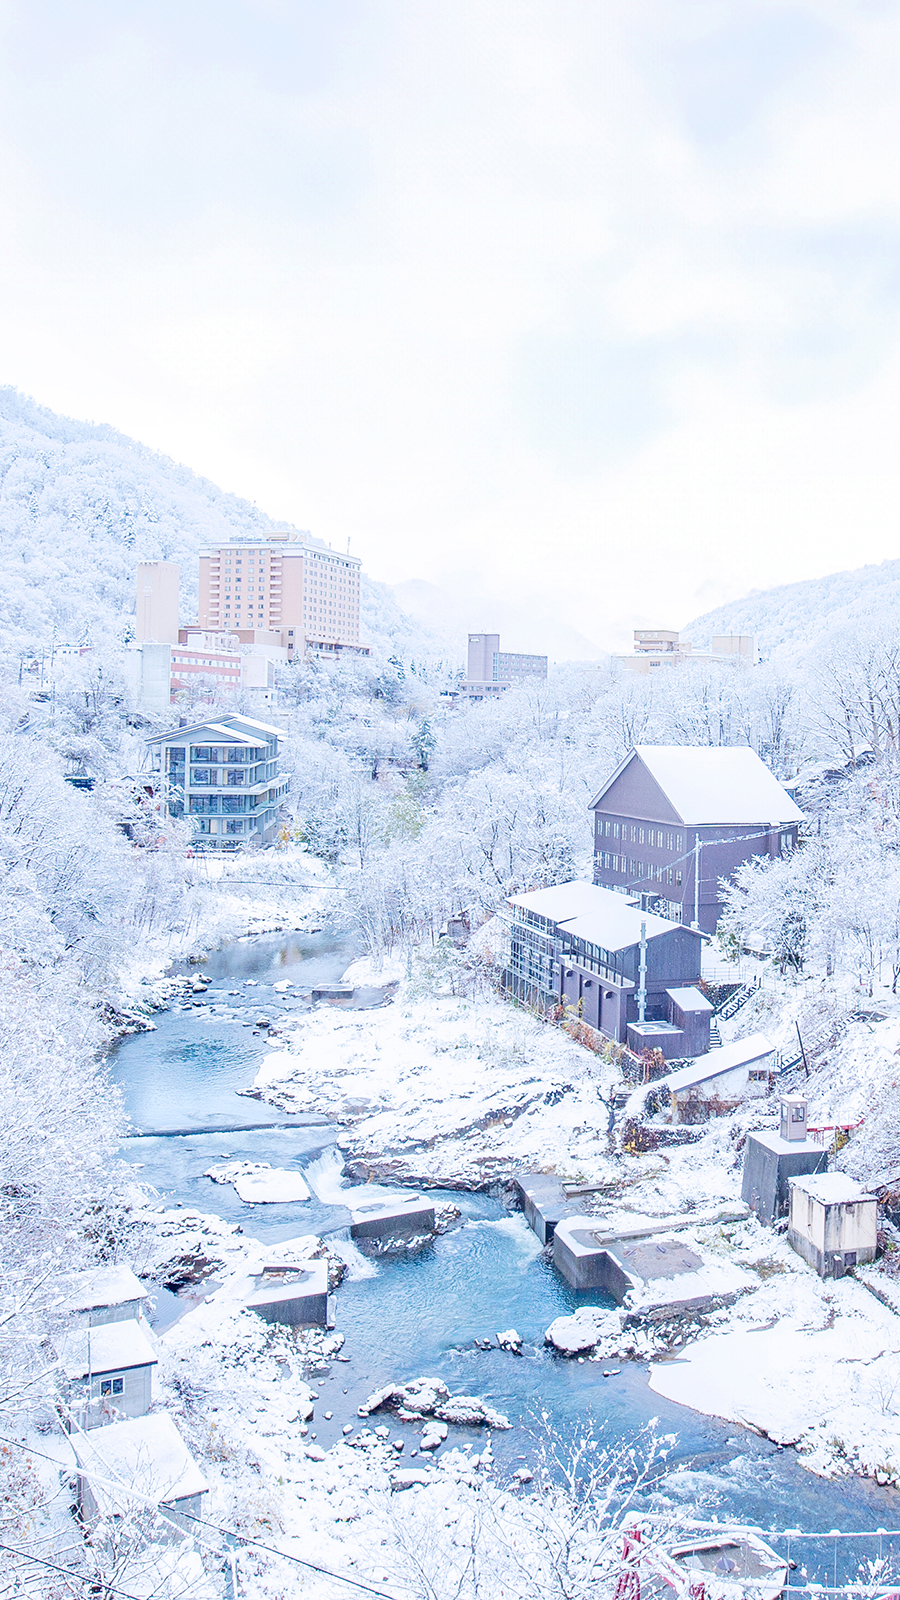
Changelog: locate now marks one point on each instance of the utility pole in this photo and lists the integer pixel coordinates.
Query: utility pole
(697, 881)
(642, 974)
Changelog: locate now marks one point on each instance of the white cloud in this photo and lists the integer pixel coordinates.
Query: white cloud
(600, 303)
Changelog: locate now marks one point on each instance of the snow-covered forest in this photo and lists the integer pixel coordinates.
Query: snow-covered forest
(416, 806)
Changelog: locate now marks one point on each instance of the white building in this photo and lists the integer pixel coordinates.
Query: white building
(833, 1222)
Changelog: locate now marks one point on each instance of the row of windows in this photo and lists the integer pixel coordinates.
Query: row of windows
(640, 871)
(639, 833)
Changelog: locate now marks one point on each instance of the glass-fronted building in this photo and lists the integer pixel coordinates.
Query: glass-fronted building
(223, 777)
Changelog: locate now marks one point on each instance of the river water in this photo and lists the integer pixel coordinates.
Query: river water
(420, 1315)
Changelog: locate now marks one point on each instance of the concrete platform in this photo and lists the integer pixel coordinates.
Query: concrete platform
(648, 1274)
(333, 991)
(293, 1296)
(544, 1202)
(393, 1218)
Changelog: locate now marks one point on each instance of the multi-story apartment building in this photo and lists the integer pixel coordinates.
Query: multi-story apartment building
(492, 670)
(673, 820)
(221, 775)
(306, 594)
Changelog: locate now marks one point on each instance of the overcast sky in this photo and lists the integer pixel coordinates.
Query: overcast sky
(591, 302)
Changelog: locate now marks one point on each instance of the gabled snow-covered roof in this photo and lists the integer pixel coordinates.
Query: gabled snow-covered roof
(707, 785)
(104, 1286)
(599, 916)
(145, 1457)
(742, 1053)
(113, 1347)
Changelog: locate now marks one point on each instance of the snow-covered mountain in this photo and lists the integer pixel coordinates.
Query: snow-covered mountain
(795, 617)
(81, 504)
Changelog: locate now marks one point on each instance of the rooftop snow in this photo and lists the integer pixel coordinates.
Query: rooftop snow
(104, 1286)
(727, 785)
(743, 1053)
(831, 1188)
(112, 1347)
(599, 916)
(689, 999)
(146, 1456)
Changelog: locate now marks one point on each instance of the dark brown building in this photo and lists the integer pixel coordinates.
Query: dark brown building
(674, 819)
(626, 972)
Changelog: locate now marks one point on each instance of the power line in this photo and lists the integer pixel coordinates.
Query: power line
(169, 1511)
(69, 1572)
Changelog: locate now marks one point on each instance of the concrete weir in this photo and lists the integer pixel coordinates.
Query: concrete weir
(395, 1217)
(293, 1296)
(641, 1268)
(544, 1202)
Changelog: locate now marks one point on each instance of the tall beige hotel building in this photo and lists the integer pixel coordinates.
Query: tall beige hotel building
(306, 594)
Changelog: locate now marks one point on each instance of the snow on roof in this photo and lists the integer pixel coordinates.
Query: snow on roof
(113, 1347)
(600, 916)
(253, 722)
(689, 999)
(145, 1456)
(831, 1188)
(104, 1286)
(742, 1053)
(714, 785)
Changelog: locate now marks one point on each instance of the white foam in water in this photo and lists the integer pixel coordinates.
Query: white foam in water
(359, 1266)
(516, 1229)
(324, 1178)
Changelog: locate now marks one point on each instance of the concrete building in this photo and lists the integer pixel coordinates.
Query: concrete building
(656, 649)
(771, 1160)
(582, 946)
(304, 593)
(833, 1222)
(156, 602)
(491, 671)
(223, 776)
(123, 1466)
(674, 819)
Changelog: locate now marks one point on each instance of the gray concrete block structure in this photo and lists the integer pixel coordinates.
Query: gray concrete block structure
(770, 1163)
(392, 1218)
(544, 1203)
(292, 1296)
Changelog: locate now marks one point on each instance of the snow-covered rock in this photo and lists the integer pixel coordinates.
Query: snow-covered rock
(584, 1329)
(257, 1183)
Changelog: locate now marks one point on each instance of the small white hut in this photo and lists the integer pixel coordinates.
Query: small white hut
(833, 1223)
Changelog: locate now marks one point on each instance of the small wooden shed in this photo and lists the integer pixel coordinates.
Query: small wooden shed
(106, 1294)
(833, 1223)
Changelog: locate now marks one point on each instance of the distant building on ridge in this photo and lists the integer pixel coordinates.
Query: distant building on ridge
(492, 670)
(655, 648)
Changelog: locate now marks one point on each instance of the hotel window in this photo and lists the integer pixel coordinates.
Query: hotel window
(640, 836)
(615, 830)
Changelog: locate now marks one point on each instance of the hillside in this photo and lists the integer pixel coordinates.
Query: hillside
(799, 616)
(81, 504)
